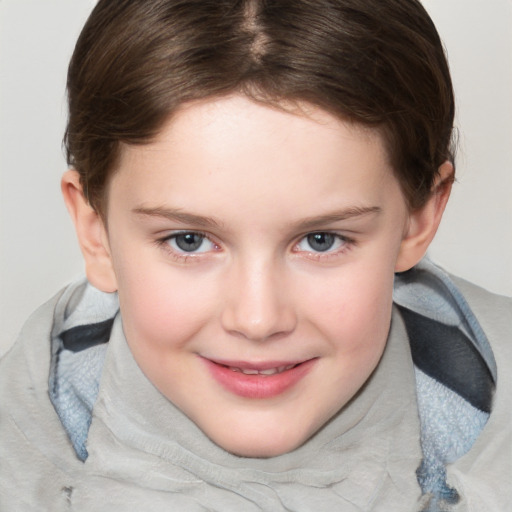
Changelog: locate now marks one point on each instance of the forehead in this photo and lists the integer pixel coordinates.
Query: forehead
(237, 147)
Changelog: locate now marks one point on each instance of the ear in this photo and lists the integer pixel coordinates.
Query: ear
(91, 233)
(423, 222)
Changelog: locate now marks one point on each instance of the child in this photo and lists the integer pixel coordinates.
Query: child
(248, 177)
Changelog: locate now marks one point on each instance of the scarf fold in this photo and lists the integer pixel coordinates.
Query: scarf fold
(363, 459)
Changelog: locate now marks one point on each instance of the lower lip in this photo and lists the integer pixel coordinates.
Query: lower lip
(258, 386)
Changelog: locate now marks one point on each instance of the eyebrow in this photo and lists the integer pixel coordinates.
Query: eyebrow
(317, 222)
(177, 215)
(308, 224)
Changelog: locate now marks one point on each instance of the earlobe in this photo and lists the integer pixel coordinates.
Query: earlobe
(423, 223)
(91, 233)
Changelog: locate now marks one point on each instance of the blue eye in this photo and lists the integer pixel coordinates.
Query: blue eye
(321, 242)
(190, 242)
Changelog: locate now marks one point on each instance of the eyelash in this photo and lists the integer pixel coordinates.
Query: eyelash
(346, 245)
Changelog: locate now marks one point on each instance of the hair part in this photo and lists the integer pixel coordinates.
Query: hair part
(379, 63)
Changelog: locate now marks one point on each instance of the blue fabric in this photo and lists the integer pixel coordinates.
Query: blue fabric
(82, 324)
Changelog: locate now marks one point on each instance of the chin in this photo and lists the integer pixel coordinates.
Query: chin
(264, 445)
(259, 452)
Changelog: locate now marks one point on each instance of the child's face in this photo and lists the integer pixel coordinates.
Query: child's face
(247, 239)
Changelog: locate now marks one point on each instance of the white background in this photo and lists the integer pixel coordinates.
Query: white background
(39, 253)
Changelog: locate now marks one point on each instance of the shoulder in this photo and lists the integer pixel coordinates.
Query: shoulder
(34, 449)
(493, 311)
(484, 473)
(494, 314)
(31, 353)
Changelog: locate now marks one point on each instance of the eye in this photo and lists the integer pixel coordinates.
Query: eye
(321, 242)
(190, 242)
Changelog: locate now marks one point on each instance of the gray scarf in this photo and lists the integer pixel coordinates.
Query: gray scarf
(363, 459)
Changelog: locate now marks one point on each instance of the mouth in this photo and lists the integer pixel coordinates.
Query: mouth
(267, 372)
(258, 380)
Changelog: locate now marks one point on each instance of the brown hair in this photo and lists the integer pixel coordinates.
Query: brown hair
(375, 62)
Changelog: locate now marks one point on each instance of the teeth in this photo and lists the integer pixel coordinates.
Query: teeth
(249, 371)
(269, 371)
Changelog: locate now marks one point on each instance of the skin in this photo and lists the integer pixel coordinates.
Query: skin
(255, 181)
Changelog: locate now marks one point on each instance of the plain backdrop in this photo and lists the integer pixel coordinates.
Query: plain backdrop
(39, 253)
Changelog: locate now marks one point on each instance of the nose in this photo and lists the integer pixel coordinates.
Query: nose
(258, 303)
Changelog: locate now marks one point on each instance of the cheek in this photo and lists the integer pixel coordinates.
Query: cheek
(162, 309)
(354, 310)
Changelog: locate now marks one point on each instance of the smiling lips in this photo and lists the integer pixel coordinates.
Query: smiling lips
(258, 380)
